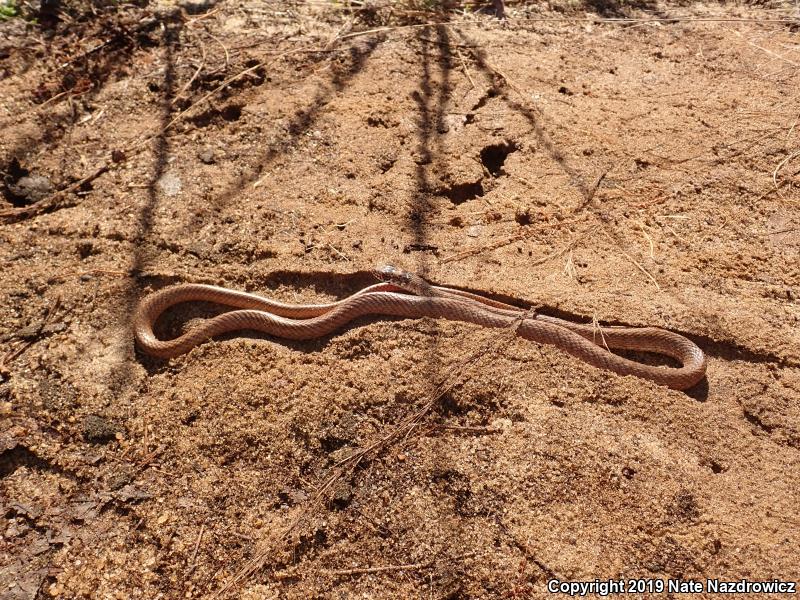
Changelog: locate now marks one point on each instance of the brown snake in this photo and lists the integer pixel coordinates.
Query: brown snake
(403, 294)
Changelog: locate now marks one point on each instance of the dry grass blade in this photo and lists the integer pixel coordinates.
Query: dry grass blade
(598, 20)
(779, 167)
(194, 75)
(598, 330)
(632, 260)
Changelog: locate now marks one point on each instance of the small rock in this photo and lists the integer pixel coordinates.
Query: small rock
(501, 425)
(31, 188)
(170, 184)
(474, 231)
(454, 122)
(131, 493)
(207, 156)
(98, 430)
(342, 495)
(234, 24)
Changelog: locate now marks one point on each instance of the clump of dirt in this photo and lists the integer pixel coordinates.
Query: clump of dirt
(640, 172)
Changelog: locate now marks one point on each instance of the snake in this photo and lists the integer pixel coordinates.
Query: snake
(403, 294)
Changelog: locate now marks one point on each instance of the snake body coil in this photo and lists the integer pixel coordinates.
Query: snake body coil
(307, 321)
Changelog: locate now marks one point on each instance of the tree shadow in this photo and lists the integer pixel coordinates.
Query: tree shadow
(431, 108)
(300, 123)
(78, 81)
(620, 8)
(431, 99)
(436, 61)
(535, 118)
(122, 376)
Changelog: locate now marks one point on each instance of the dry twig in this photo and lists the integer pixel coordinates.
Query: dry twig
(10, 215)
(779, 167)
(193, 559)
(632, 260)
(30, 340)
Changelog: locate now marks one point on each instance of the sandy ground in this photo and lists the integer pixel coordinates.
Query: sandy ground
(639, 173)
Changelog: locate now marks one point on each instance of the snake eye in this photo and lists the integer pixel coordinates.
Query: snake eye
(386, 273)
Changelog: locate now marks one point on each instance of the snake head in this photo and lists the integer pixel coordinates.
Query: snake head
(391, 274)
(404, 280)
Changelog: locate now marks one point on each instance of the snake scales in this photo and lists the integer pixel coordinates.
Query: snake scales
(403, 294)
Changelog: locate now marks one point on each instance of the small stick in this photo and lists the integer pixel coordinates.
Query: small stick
(791, 130)
(649, 240)
(598, 329)
(192, 562)
(204, 16)
(344, 30)
(145, 441)
(567, 20)
(448, 44)
(464, 65)
(465, 429)
(641, 268)
(779, 231)
(227, 55)
(569, 267)
(630, 258)
(194, 76)
(82, 55)
(779, 167)
(593, 191)
(767, 50)
(52, 99)
(517, 237)
(366, 570)
(338, 252)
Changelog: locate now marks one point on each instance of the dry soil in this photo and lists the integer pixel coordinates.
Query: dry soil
(638, 172)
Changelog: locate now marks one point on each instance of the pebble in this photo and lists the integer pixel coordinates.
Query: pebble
(31, 188)
(170, 184)
(207, 156)
(98, 429)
